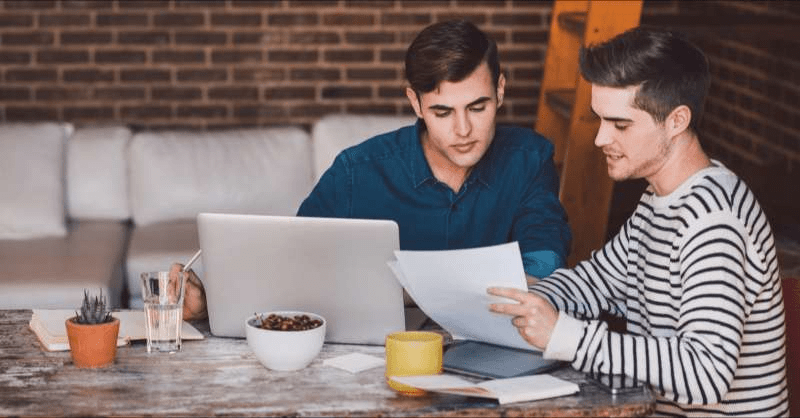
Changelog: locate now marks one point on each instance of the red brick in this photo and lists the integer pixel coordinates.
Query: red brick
(348, 19)
(292, 56)
(176, 93)
(369, 37)
(482, 3)
(524, 73)
(289, 93)
(85, 38)
(371, 109)
(175, 20)
(59, 56)
(29, 4)
(235, 56)
(313, 3)
(309, 74)
(257, 4)
(378, 4)
(292, 19)
(518, 19)
(371, 74)
(86, 4)
(521, 55)
(428, 4)
(249, 38)
(8, 20)
(119, 93)
(314, 110)
(202, 74)
(259, 74)
(142, 4)
(15, 94)
(346, 92)
(16, 75)
(121, 56)
(405, 19)
(91, 113)
(14, 57)
(61, 20)
(538, 37)
(146, 76)
(349, 55)
(28, 38)
(393, 55)
(211, 111)
(311, 37)
(201, 38)
(177, 56)
(87, 76)
(27, 113)
(236, 19)
(259, 111)
(477, 19)
(127, 19)
(146, 112)
(201, 4)
(143, 37)
(233, 93)
(392, 92)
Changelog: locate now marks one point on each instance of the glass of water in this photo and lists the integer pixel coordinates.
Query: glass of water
(163, 309)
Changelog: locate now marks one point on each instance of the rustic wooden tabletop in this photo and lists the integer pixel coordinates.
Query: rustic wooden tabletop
(221, 376)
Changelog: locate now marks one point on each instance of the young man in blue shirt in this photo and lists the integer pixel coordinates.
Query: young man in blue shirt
(455, 179)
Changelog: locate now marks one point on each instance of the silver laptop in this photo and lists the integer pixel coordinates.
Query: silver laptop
(336, 268)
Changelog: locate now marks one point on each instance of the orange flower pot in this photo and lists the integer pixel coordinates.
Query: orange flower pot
(92, 346)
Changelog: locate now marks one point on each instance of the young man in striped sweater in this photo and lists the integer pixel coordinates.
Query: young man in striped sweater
(693, 271)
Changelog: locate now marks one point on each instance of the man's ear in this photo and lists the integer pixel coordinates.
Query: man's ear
(678, 120)
(415, 101)
(501, 90)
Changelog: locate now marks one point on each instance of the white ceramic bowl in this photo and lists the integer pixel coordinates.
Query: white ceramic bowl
(285, 350)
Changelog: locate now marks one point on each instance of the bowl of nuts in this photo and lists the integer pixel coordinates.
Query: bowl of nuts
(285, 340)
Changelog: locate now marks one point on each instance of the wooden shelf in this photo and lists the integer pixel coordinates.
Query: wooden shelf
(561, 101)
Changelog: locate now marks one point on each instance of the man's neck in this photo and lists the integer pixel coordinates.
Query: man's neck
(686, 159)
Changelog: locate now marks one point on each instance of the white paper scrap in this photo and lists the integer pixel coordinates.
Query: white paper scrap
(355, 362)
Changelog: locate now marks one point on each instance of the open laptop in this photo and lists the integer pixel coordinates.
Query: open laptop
(333, 267)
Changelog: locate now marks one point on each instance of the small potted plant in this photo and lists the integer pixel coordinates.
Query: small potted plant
(92, 333)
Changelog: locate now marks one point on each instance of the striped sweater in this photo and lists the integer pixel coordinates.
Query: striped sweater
(695, 275)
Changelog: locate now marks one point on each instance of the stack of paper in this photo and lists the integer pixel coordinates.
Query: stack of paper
(49, 327)
(515, 389)
(450, 287)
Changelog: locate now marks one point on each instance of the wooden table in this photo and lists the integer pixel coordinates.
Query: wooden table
(220, 376)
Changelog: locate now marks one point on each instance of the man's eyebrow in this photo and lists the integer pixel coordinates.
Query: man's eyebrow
(475, 102)
(611, 118)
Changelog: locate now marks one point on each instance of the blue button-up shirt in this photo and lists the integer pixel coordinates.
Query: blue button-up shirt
(510, 195)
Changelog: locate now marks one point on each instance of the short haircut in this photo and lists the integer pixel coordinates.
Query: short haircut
(669, 70)
(448, 51)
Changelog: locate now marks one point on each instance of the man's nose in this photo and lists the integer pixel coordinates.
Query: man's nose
(463, 125)
(602, 138)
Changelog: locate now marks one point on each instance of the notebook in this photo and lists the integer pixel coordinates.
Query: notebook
(333, 267)
(480, 359)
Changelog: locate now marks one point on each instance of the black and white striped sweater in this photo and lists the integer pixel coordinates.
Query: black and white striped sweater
(695, 274)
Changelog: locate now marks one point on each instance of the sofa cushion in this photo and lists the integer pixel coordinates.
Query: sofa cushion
(97, 183)
(333, 133)
(32, 180)
(51, 273)
(176, 175)
(155, 247)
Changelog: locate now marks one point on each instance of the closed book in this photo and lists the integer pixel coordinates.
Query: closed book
(48, 325)
(510, 390)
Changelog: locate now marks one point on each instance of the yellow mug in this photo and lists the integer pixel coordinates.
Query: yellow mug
(410, 353)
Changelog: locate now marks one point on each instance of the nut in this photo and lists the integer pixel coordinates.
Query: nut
(276, 322)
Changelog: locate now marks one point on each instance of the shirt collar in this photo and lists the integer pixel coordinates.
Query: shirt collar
(421, 170)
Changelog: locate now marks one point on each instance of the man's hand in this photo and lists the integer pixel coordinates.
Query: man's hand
(533, 316)
(194, 299)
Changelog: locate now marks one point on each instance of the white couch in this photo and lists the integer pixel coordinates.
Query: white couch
(94, 207)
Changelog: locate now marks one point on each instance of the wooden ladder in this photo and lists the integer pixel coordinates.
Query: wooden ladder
(565, 116)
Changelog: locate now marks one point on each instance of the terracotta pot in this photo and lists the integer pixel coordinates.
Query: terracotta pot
(92, 346)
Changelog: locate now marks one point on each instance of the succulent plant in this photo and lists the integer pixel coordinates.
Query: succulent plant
(93, 310)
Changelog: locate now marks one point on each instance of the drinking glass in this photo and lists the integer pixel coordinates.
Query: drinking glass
(163, 308)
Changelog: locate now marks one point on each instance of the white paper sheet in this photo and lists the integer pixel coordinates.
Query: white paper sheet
(355, 362)
(450, 287)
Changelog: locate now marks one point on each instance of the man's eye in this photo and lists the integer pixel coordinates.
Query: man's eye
(441, 114)
(620, 127)
(478, 109)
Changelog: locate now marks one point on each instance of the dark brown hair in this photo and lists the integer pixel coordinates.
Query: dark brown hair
(670, 70)
(448, 51)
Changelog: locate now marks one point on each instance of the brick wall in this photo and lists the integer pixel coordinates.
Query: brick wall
(218, 63)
